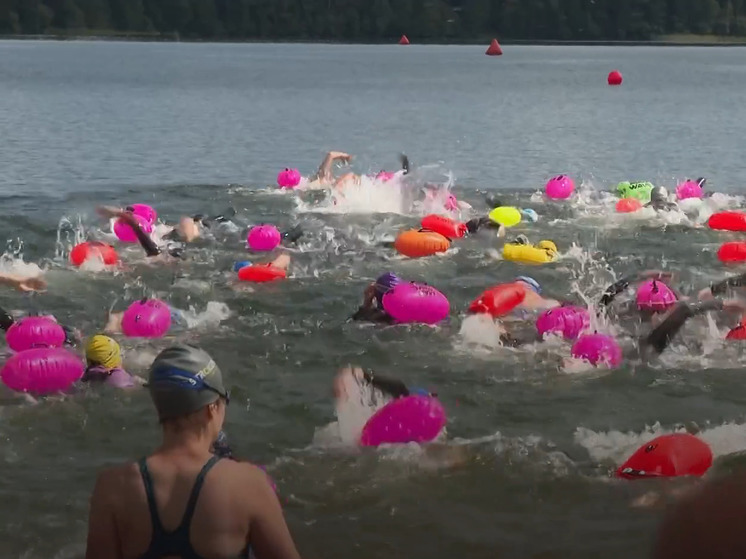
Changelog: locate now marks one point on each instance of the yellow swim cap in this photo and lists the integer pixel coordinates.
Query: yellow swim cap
(102, 350)
(547, 245)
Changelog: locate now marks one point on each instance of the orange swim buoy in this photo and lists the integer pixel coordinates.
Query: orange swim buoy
(444, 225)
(734, 251)
(500, 300)
(728, 221)
(261, 273)
(628, 205)
(415, 243)
(93, 249)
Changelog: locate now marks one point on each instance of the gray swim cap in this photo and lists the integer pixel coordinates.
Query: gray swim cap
(184, 379)
(659, 194)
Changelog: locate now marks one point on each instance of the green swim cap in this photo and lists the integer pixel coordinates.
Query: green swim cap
(639, 190)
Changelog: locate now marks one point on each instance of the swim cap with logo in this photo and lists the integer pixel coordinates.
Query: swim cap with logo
(102, 350)
(385, 283)
(183, 379)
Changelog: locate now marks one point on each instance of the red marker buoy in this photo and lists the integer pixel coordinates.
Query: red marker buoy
(403, 40)
(494, 49)
(615, 77)
(677, 454)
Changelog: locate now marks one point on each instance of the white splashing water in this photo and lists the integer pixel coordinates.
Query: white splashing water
(617, 446)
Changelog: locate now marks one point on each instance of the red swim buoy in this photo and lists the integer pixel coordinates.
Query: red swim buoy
(677, 454)
(500, 300)
(93, 249)
(734, 251)
(261, 273)
(727, 221)
(737, 333)
(628, 205)
(615, 78)
(444, 225)
(494, 49)
(403, 40)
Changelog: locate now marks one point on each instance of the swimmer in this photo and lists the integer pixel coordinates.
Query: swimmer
(623, 284)
(182, 500)
(533, 300)
(171, 248)
(72, 335)
(388, 388)
(324, 177)
(104, 364)
(23, 283)
(372, 308)
(190, 229)
(659, 200)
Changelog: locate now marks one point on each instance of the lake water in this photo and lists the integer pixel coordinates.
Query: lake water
(532, 439)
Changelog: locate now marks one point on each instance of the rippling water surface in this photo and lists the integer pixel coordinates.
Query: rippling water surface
(524, 470)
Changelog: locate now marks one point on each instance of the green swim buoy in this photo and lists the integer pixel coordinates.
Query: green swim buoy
(639, 190)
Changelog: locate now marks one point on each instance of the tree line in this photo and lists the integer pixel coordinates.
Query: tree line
(377, 20)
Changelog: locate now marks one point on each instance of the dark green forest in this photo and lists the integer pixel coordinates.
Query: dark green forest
(376, 20)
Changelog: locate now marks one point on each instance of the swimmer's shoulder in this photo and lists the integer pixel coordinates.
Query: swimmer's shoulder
(119, 484)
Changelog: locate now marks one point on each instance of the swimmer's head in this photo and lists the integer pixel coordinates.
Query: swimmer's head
(183, 379)
(416, 391)
(385, 283)
(530, 282)
(549, 246)
(103, 351)
(659, 194)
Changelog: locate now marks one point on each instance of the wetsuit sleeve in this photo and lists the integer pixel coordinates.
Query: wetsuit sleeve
(6, 320)
(613, 290)
(662, 335)
(721, 287)
(368, 314)
(151, 249)
(474, 225)
(390, 386)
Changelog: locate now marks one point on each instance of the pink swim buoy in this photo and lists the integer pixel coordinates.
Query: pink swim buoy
(412, 419)
(42, 370)
(147, 318)
(655, 296)
(560, 187)
(35, 331)
(569, 321)
(288, 178)
(126, 234)
(144, 211)
(598, 349)
(263, 238)
(416, 302)
(689, 189)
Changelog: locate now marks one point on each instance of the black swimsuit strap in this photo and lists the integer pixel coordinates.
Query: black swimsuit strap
(192, 503)
(155, 519)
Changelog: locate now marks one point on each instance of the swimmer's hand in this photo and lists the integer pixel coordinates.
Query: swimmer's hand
(734, 305)
(340, 156)
(31, 284)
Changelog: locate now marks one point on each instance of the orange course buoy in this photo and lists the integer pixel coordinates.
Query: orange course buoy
(494, 49)
(414, 243)
(615, 78)
(403, 40)
(628, 205)
(93, 249)
(261, 273)
(444, 225)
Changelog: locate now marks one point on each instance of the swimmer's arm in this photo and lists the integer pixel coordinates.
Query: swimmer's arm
(389, 386)
(23, 283)
(662, 335)
(103, 538)
(721, 287)
(269, 537)
(325, 169)
(369, 296)
(620, 286)
(151, 249)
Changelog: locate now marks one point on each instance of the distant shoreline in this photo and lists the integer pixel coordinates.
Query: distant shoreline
(670, 41)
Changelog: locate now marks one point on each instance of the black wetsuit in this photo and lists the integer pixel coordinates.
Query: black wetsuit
(388, 385)
(175, 543)
(659, 338)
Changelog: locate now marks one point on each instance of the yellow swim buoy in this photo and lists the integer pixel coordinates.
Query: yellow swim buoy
(545, 251)
(505, 215)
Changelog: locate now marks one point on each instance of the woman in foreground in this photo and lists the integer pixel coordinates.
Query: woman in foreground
(182, 501)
